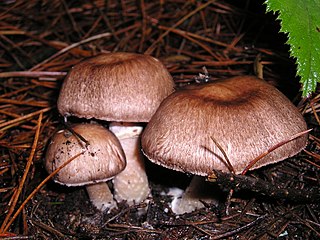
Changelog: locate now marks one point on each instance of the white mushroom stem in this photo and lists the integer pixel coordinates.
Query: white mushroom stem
(197, 190)
(131, 184)
(101, 196)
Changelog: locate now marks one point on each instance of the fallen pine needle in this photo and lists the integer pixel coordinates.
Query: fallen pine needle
(254, 161)
(13, 122)
(182, 20)
(31, 74)
(37, 189)
(27, 168)
(68, 48)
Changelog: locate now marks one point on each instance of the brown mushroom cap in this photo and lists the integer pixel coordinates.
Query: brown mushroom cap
(102, 160)
(124, 87)
(244, 115)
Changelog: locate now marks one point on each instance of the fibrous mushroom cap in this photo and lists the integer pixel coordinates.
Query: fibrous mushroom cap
(244, 115)
(125, 87)
(102, 160)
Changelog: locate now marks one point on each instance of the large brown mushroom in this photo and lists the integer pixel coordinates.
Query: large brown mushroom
(244, 115)
(124, 89)
(103, 158)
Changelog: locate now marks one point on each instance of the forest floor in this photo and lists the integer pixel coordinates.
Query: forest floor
(41, 40)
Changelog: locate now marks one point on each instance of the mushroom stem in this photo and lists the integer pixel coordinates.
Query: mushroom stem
(131, 184)
(101, 196)
(193, 197)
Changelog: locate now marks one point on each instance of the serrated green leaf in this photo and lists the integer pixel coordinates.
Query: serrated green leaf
(300, 19)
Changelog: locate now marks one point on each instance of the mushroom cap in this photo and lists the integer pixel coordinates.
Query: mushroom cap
(124, 87)
(244, 115)
(102, 160)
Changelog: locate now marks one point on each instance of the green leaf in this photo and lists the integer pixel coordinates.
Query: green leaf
(300, 19)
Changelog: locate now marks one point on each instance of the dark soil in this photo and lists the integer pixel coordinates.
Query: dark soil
(32, 31)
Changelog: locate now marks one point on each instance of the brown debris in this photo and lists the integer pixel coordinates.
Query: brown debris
(41, 40)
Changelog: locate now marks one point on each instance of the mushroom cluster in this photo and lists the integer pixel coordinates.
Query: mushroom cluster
(244, 115)
(123, 89)
(221, 125)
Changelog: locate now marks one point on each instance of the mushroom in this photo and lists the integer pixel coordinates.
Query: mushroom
(124, 89)
(103, 158)
(244, 115)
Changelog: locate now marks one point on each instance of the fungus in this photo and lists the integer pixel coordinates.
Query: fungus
(102, 159)
(244, 115)
(124, 89)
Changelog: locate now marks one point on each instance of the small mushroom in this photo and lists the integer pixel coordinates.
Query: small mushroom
(124, 89)
(103, 158)
(244, 115)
